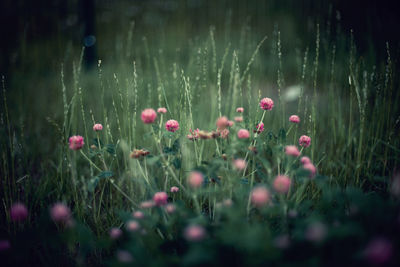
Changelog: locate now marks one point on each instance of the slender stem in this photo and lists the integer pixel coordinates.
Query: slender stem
(122, 192)
(90, 161)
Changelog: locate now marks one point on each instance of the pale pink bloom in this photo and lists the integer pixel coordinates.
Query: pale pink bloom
(195, 179)
(174, 189)
(224, 133)
(379, 251)
(266, 103)
(124, 256)
(60, 213)
(195, 233)
(97, 127)
(294, 119)
(259, 128)
(282, 184)
(170, 208)
(172, 125)
(239, 119)
(243, 134)
(18, 212)
(160, 198)
(260, 196)
(138, 214)
(115, 233)
(230, 123)
(147, 204)
(132, 226)
(162, 110)
(148, 115)
(76, 142)
(239, 164)
(304, 141)
(240, 110)
(310, 167)
(222, 123)
(4, 245)
(304, 160)
(292, 151)
(316, 232)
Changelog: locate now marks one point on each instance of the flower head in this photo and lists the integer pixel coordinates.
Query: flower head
(97, 127)
(304, 141)
(138, 214)
(60, 213)
(137, 153)
(174, 189)
(160, 198)
(224, 133)
(239, 119)
(195, 179)
(148, 115)
(172, 125)
(304, 160)
(259, 128)
(162, 110)
(76, 142)
(282, 184)
(132, 226)
(115, 233)
(260, 196)
(147, 204)
(292, 151)
(195, 233)
(18, 212)
(311, 168)
(222, 123)
(124, 256)
(240, 110)
(243, 134)
(294, 119)
(239, 164)
(170, 208)
(194, 135)
(266, 103)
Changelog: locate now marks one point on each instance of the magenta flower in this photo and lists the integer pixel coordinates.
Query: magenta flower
(60, 213)
(138, 214)
(311, 168)
(97, 127)
(18, 212)
(170, 208)
(195, 179)
(162, 110)
(304, 160)
(243, 134)
(160, 198)
(132, 226)
(195, 233)
(240, 110)
(172, 125)
(259, 128)
(76, 142)
(222, 123)
(292, 151)
(266, 103)
(304, 141)
(239, 164)
(115, 233)
(282, 184)
(294, 119)
(148, 115)
(260, 196)
(174, 189)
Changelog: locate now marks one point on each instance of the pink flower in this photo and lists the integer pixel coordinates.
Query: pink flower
(304, 160)
(160, 198)
(230, 123)
(304, 141)
(259, 128)
(222, 123)
(148, 115)
(243, 134)
(282, 184)
(138, 214)
(147, 204)
(194, 135)
(97, 127)
(260, 196)
(240, 110)
(172, 125)
(60, 213)
(170, 208)
(132, 226)
(195, 179)
(4, 245)
(115, 233)
(292, 151)
(224, 133)
(294, 119)
(266, 103)
(310, 167)
(174, 189)
(239, 164)
(162, 110)
(239, 119)
(195, 233)
(76, 142)
(18, 212)
(378, 251)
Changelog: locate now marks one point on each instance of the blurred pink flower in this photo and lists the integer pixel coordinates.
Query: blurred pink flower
(138, 214)
(304, 160)
(170, 208)
(147, 204)
(18, 212)
(282, 184)
(194, 233)
(379, 251)
(292, 151)
(195, 179)
(172, 125)
(132, 226)
(239, 164)
(259, 128)
(304, 141)
(239, 119)
(162, 110)
(124, 256)
(240, 110)
(160, 198)
(260, 196)
(230, 123)
(222, 123)
(310, 167)
(294, 119)
(115, 233)
(60, 213)
(76, 142)
(97, 127)
(243, 134)
(148, 115)
(266, 103)
(224, 133)
(174, 189)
